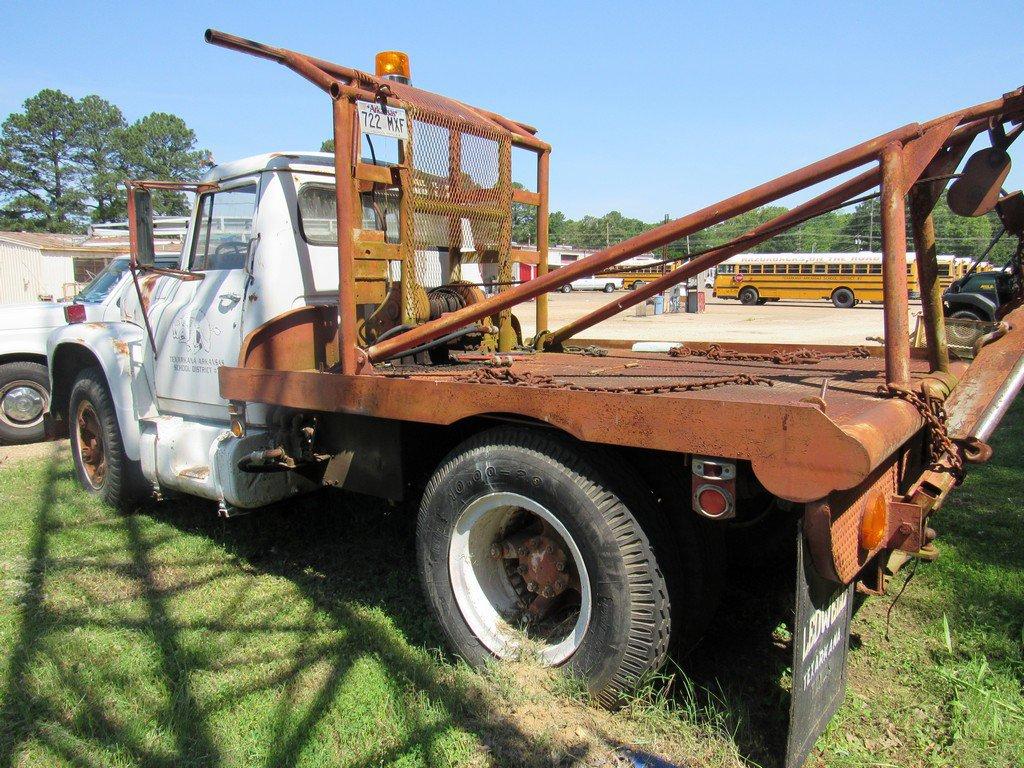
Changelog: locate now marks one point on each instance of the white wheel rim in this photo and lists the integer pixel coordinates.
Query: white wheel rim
(483, 591)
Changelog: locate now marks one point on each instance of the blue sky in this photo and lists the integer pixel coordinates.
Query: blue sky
(651, 108)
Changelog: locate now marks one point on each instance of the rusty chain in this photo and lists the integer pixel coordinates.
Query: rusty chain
(544, 381)
(941, 445)
(779, 357)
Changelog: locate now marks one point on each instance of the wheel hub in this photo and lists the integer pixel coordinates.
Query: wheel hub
(543, 565)
(515, 569)
(22, 404)
(90, 444)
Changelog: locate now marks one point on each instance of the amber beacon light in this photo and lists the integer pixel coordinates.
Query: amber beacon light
(393, 65)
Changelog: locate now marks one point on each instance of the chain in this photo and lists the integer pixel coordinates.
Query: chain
(779, 357)
(544, 381)
(941, 446)
(589, 351)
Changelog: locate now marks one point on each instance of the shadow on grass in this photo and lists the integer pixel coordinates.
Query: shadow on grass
(344, 555)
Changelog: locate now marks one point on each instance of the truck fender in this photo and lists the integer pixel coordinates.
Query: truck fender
(982, 305)
(114, 348)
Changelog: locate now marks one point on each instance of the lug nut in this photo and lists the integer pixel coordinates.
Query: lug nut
(531, 586)
(559, 566)
(547, 592)
(523, 552)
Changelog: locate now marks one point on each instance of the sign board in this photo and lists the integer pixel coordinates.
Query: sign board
(380, 121)
(821, 637)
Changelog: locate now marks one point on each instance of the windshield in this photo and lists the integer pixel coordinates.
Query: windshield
(100, 286)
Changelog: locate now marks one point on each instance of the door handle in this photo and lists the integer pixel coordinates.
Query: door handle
(232, 297)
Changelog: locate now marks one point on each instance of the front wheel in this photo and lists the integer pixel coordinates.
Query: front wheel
(530, 542)
(103, 468)
(566, 288)
(24, 398)
(749, 296)
(609, 287)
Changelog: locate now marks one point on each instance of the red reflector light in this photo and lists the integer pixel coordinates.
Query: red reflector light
(74, 313)
(712, 501)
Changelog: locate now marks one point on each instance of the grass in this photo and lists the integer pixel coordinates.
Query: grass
(298, 636)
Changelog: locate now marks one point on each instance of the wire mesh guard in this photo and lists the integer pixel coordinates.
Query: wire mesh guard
(461, 196)
(962, 335)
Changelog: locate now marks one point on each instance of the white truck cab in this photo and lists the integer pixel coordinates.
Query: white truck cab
(261, 242)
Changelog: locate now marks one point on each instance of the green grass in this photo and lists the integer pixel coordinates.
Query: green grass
(298, 636)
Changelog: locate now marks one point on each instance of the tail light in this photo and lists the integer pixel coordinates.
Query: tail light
(74, 313)
(714, 487)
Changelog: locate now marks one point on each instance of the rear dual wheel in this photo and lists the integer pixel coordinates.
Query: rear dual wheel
(843, 298)
(530, 542)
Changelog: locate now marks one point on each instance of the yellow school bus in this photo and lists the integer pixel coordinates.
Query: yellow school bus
(640, 271)
(845, 279)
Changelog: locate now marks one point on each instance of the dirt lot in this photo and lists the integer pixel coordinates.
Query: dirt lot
(800, 322)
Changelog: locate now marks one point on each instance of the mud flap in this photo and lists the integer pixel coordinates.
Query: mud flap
(821, 637)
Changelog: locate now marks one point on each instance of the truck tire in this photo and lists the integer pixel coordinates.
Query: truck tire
(843, 298)
(103, 468)
(24, 398)
(522, 532)
(749, 296)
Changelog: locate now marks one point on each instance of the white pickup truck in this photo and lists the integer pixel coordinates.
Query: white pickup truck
(594, 283)
(24, 384)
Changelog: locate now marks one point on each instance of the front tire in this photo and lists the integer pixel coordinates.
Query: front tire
(103, 468)
(24, 398)
(749, 296)
(566, 288)
(609, 287)
(524, 533)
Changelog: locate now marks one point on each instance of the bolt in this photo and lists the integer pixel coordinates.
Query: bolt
(548, 550)
(548, 592)
(560, 566)
(531, 586)
(495, 551)
(523, 552)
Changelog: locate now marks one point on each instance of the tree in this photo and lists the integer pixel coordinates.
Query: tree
(102, 125)
(41, 165)
(162, 146)
(327, 145)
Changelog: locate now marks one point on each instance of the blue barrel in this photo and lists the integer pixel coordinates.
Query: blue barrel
(659, 304)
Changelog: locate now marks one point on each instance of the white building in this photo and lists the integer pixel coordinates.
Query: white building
(38, 266)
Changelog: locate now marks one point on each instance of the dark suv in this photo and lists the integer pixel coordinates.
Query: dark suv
(978, 296)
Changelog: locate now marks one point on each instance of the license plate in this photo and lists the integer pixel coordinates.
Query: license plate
(375, 119)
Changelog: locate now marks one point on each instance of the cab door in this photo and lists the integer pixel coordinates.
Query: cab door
(199, 327)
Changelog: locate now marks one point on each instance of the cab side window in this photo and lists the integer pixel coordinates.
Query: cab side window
(223, 229)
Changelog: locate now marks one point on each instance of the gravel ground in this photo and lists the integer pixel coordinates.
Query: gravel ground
(800, 322)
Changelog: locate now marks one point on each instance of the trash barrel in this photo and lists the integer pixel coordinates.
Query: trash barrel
(659, 304)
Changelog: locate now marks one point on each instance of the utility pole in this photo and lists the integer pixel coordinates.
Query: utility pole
(664, 251)
(871, 224)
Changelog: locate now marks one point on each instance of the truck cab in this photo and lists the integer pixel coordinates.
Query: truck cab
(260, 245)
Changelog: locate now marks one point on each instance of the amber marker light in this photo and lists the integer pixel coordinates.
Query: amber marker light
(393, 65)
(874, 522)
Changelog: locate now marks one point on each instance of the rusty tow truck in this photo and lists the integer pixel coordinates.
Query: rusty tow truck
(327, 327)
